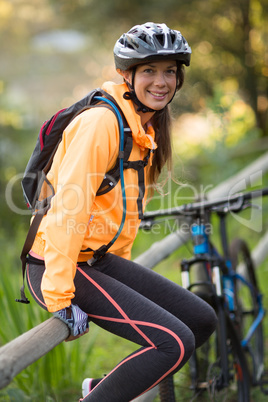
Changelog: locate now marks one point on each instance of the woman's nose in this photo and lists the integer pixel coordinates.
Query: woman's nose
(160, 79)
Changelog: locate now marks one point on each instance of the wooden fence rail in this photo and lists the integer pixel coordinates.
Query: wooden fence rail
(18, 354)
(29, 347)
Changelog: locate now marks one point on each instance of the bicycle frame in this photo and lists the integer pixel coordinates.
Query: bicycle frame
(204, 251)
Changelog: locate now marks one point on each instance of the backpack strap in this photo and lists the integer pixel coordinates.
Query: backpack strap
(101, 251)
(113, 176)
(27, 247)
(139, 166)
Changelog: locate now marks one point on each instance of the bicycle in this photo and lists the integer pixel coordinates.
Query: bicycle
(232, 360)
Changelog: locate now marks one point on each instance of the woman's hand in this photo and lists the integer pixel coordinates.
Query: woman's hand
(76, 320)
(72, 338)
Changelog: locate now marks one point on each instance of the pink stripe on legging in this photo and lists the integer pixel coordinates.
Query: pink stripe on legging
(35, 295)
(148, 324)
(118, 308)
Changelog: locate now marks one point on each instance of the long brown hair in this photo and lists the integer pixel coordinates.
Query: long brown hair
(161, 122)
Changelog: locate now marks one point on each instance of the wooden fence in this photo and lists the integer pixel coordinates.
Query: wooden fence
(18, 354)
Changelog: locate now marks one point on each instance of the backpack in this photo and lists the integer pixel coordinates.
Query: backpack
(38, 191)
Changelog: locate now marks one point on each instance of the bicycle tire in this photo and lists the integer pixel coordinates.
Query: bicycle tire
(247, 309)
(206, 366)
(166, 390)
(242, 377)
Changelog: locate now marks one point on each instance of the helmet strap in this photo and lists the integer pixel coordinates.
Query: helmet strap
(131, 95)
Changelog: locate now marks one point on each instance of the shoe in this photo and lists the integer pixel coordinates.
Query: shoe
(86, 386)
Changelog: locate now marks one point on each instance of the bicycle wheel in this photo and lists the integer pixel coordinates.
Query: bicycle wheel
(247, 308)
(176, 387)
(222, 349)
(166, 390)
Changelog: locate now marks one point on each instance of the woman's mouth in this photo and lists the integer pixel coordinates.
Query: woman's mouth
(158, 95)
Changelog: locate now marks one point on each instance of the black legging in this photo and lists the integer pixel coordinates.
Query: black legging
(144, 307)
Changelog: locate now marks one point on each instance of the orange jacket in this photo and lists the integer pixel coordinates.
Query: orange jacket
(77, 219)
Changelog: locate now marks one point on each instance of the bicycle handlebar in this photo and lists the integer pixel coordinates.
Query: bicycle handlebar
(233, 203)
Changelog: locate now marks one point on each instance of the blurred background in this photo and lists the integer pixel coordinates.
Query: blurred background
(55, 51)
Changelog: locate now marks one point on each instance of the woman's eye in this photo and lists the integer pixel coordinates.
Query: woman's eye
(171, 71)
(148, 70)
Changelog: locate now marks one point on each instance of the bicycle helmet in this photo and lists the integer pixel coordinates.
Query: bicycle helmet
(147, 42)
(150, 41)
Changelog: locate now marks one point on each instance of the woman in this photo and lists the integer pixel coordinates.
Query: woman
(122, 297)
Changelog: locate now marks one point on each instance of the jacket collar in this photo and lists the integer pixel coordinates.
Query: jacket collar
(142, 138)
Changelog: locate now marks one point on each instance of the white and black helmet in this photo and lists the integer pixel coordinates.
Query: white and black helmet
(150, 41)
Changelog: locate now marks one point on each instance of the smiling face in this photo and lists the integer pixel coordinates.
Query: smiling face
(155, 83)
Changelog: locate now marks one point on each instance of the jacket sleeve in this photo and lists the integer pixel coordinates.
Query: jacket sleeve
(89, 145)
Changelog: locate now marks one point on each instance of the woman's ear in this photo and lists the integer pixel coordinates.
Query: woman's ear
(126, 74)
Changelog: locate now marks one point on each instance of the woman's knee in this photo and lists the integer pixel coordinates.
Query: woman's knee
(189, 344)
(207, 325)
(181, 345)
